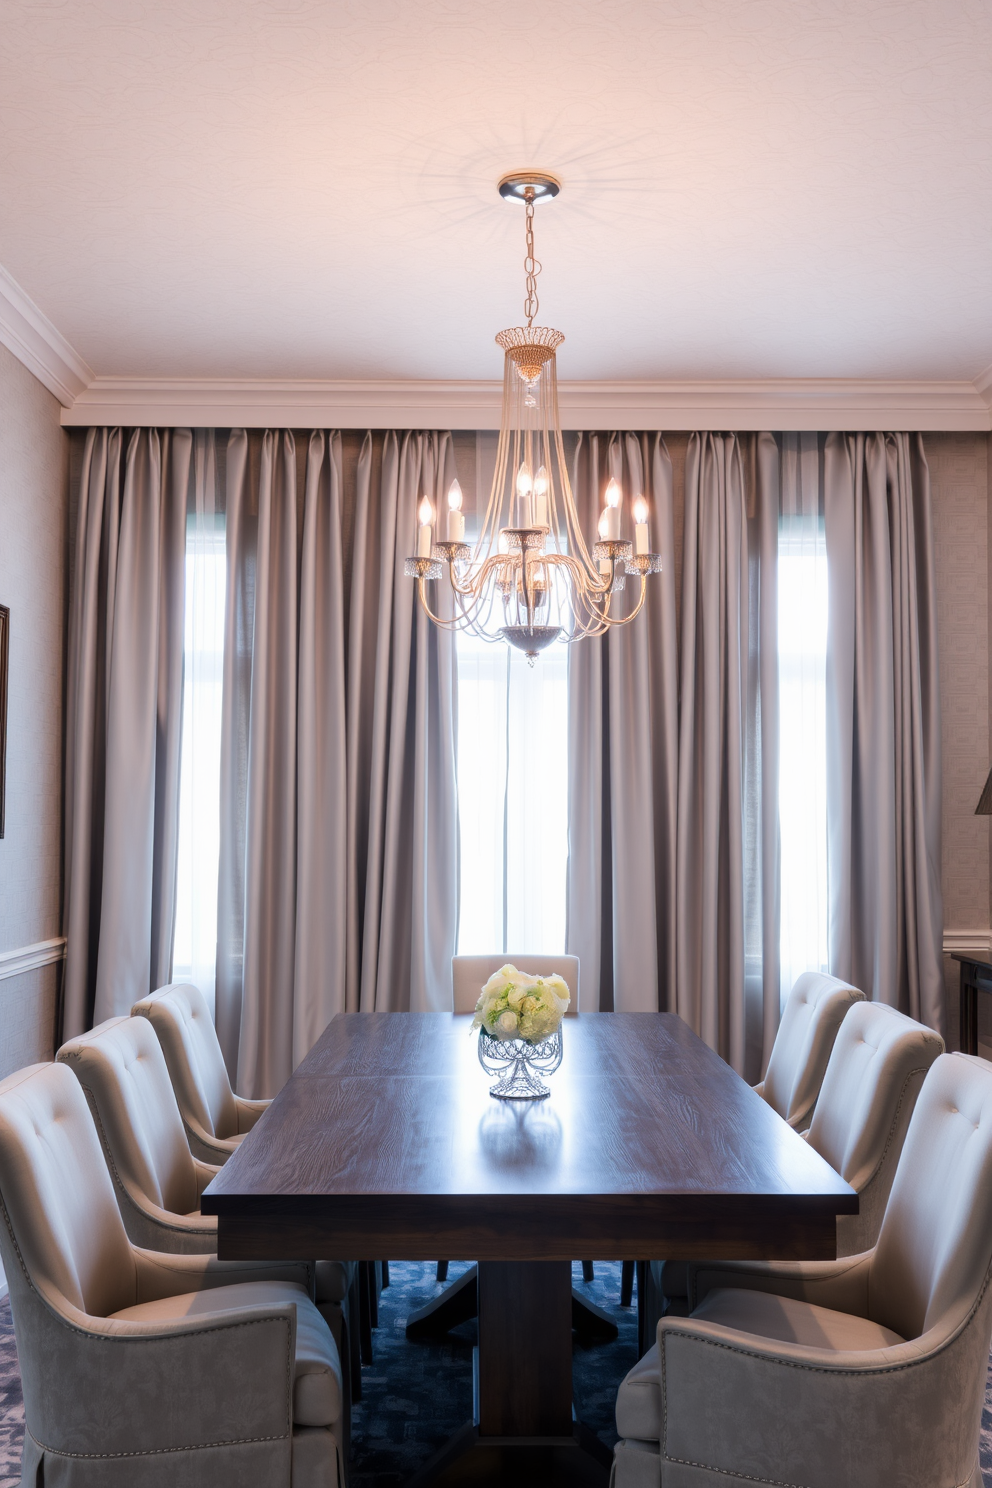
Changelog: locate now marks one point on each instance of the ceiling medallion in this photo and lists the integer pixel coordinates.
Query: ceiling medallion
(530, 578)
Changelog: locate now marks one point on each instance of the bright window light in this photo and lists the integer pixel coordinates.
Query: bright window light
(195, 946)
(512, 798)
(802, 661)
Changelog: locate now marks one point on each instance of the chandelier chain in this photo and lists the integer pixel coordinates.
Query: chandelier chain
(531, 265)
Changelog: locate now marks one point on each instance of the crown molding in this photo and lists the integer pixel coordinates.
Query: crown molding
(35, 342)
(799, 404)
(983, 385)
(743, 404)
(28, 958)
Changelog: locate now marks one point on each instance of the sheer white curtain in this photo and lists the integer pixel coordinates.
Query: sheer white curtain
(802, 680)
(195, 949)
(512, 798)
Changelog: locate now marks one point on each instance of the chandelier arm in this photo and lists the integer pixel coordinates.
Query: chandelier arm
(437, 619)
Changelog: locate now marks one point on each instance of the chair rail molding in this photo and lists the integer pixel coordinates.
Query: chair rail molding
(976, 943)
(28, 958)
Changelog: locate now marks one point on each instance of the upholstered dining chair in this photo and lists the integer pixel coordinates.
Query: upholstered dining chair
(216, 1120)
(122, 1071)
(469, 975)
(867, 1371)
(814, 1011)
(140, 1367)
(875, 1073)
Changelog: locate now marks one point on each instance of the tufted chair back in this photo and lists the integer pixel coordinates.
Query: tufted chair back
(934, 1249)
(469, 975)
(879, 1062)
(185, 1030)
(57, 1195)
(813, 1013)
(120, 1066)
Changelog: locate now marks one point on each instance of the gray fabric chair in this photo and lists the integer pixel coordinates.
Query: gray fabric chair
(122, 1071)
(865, 1371)
(469, 975)
(216, 1119)
(876, 1070)
(813, 1013)
(140, 1367)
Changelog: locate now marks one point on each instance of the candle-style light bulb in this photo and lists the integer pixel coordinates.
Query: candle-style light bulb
(603, 529)
(641, 544)
(541, 486)
(456, 521)
(425, 516)
(612, 510)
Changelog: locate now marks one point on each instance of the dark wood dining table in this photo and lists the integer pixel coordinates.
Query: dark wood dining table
(385, 1144)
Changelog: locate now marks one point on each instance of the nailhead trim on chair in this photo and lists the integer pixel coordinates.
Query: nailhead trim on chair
(812, 1369)
(94, 1337)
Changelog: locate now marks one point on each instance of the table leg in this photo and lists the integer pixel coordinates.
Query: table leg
(525, 1348)
(525, 1431)
(968, 1033)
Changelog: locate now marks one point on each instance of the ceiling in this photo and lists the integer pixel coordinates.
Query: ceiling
(296, 189)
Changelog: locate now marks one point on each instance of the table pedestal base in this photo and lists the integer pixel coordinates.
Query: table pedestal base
(524, 1431)
(468, 1460)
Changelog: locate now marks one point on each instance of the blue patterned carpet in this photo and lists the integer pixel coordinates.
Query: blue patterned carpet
(416, 1395)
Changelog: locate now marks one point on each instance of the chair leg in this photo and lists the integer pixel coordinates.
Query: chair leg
(442, 1271)
(588, 1271)
(385, 1274)
(354, 1335)
(375, 1286)
(626, 1283)
(366, 1288)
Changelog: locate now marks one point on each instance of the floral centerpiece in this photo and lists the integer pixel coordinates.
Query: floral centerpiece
(519, 1021)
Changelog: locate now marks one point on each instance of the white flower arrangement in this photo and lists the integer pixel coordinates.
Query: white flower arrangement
(513, 1005)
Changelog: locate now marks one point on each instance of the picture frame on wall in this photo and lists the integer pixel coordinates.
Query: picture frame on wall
(4, 650)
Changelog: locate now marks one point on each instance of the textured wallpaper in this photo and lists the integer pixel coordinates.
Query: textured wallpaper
(33, 580)
(959, 481)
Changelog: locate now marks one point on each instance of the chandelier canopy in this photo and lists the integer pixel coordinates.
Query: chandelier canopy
(531, 578)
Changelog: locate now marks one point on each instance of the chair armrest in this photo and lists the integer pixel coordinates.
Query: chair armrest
(204, 1173)
(205, 1147)
(249, 1111)
(160, 1275)
(778, 1412)
(229, 1380)
(840, 1284)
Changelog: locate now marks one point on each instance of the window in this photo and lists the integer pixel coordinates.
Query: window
(195, 945)
(802, 663)
(512, 798)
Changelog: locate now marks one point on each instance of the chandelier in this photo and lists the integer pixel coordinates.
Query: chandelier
(531, 578)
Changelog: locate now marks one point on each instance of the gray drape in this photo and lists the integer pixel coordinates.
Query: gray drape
(623, 746)
(727, 863)
(123, 720)
(338, 873)
(883, 720)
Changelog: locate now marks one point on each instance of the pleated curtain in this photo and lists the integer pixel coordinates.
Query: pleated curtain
(338, 871)
(727, 848)
(623, 749)
(123, 720)
(883, 718)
